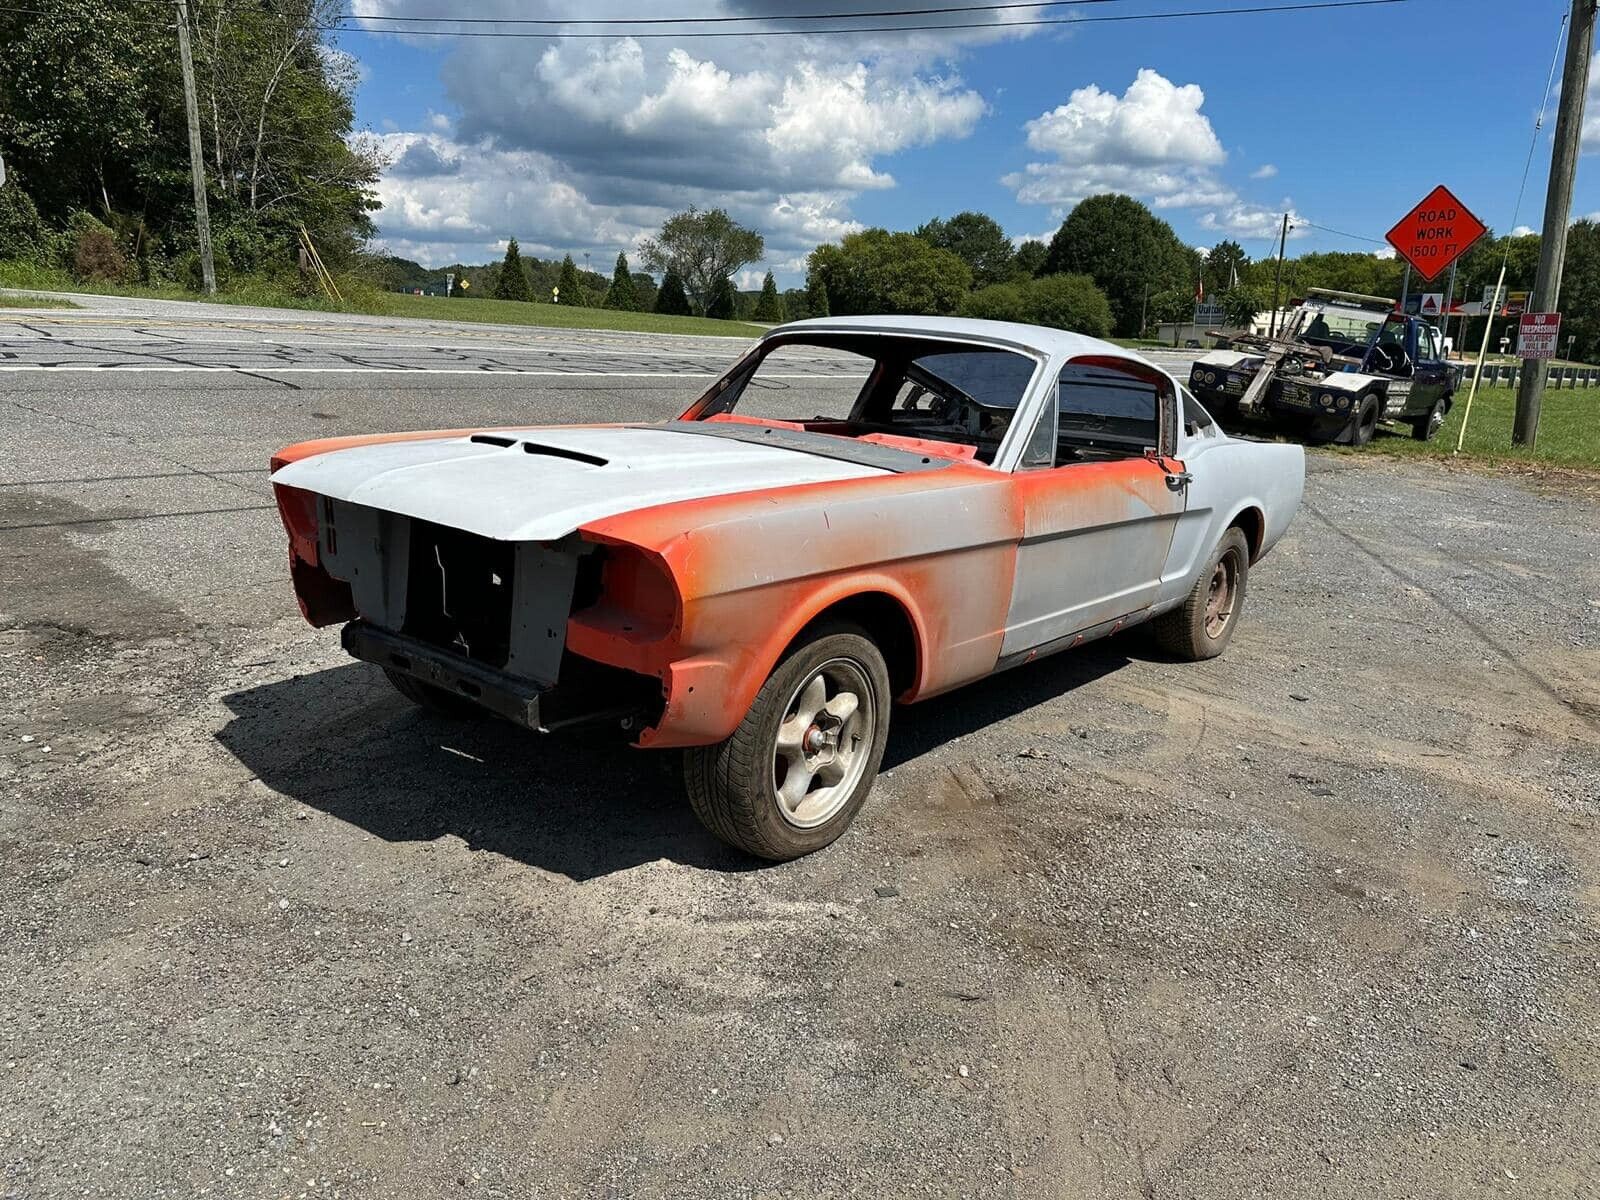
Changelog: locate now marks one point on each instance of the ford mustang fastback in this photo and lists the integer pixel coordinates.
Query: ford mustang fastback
(862, 510)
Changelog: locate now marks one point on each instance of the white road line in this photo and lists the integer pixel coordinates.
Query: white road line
(269, 369)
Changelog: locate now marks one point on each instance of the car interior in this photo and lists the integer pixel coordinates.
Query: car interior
(947, 399)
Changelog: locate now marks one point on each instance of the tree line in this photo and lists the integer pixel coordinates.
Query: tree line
(93, 125)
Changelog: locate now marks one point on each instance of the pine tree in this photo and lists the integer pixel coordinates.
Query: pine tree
(816, 296)
(621, 294)
(513, 284)
(569, 283)
(769, 308)
(721, 305)
(671, 298)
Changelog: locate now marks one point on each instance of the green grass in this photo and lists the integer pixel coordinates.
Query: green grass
(35, 302)
(1569, 431)
(361, 297)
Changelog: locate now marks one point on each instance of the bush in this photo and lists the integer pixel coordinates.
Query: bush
(22, 234)
(1069, 302)
(997, 302)
(96, 257)
(1060, 301)
(187, 269)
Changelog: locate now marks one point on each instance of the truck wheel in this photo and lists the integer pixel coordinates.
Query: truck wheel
(1364, 426)
(796, 771)
(1202, 625)
(434, 699)
(1425, 429)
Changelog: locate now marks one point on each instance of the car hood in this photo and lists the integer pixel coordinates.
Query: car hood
(541, 484)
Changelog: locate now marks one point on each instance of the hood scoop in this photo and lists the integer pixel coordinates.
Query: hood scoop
(505, 443)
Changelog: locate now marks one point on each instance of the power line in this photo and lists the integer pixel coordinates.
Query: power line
(879, 14)
(1355, 237)
(1315, 5)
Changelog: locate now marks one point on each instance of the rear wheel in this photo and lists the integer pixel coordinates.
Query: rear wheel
(799, 767)
(1202, 626)
(1426, 428)
(435, 699)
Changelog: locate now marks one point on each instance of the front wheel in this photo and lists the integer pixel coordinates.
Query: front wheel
(1365, 425)
(1202, 626)
(799, 767)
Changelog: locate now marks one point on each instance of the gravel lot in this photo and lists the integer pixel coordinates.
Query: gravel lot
(1318, 918)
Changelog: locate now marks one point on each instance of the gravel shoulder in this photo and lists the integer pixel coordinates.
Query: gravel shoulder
(1318, 918)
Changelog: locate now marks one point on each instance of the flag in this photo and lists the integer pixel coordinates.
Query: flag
(1233, 274)
(1200, 289)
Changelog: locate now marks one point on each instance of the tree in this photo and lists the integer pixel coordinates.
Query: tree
(1029, 258)
(721, 305)
(569, 283)
(22, 233)
(816, 296)
(977, 240)
(769, 308)
(621, 294)
(1226, 265)
(1240, 306)
(671, 299)
(1129, 253)
(1580, 291)
(997, 302)
(644, 292)
(1172, 306)
(703, 248)
(512, 284)
(876, 271)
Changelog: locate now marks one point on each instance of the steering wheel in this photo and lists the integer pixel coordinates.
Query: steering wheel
(1389, 358)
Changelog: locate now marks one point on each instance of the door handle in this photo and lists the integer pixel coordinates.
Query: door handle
(1178, 480)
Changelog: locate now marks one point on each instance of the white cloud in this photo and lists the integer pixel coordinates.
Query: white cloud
(1591, 112)
(1523, 231)
(1244, 220)
(1152, 141)
(1264, 171)
(783, 132)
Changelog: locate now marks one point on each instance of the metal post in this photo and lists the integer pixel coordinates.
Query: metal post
(1449, 299)
(1405, 287)
(1557, 208)
(197, 162)
(1277, 279)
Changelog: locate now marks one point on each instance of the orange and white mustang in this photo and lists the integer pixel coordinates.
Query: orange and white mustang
(861, 510)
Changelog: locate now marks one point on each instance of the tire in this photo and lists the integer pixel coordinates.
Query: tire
(762, 790)
(1364, 425)
(433, 699)
(1425, 429)
(1193, 630)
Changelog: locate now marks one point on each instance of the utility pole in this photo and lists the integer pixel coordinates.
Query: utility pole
(1277, 279)
(1557, 208)
(197, 162)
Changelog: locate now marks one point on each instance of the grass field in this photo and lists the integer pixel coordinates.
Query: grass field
(1569, 430)
(362, 298)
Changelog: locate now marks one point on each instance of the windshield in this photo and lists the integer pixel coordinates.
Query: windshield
(1341, 327)
(880, 388)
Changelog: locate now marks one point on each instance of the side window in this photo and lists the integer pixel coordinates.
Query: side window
(1101, 408)
(1196, 420)
(1427, 343)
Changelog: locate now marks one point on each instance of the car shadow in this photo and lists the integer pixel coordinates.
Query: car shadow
(580, 804)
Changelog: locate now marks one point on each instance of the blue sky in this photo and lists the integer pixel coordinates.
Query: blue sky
(1346, 117)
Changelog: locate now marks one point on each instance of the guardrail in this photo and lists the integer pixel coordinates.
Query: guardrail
(1510, 374)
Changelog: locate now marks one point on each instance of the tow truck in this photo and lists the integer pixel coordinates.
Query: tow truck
(1342, 365)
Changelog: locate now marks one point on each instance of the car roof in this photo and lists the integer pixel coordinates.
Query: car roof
(1053, 342)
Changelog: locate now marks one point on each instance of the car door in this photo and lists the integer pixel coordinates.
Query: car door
(1430, 376)
(1098, 506)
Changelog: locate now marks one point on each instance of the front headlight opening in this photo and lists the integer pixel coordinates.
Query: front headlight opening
(1344, 401)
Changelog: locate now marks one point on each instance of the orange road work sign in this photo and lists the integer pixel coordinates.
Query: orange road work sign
(1436, 232)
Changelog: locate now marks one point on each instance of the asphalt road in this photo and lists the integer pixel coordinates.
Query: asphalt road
(1319, 918)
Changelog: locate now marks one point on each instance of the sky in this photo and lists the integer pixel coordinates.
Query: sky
(1344, 118)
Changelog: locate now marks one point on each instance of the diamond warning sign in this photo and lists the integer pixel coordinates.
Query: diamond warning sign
(1435, 233)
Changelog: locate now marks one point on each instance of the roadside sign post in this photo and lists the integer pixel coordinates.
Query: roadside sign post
(1538, 335)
